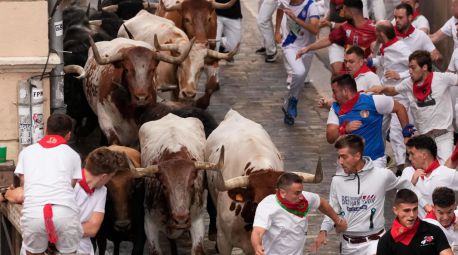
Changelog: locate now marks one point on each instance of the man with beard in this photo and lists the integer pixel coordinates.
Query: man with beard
(409, 234)
(419, 21)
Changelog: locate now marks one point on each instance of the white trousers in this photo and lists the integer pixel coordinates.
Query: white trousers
(336, 53)
(366, 248)
(444, 146)
(299, 69)
(377, 7)
(265, 25)
(231, 29)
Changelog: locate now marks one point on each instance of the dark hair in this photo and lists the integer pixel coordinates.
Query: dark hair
(355, 50)
(354, 142)
(287, 179)
(387, 29)
(443, 197)
(407, 7)
(58, 124)
(345, 81)
(357, 4)
(423, 58)
(105, 161)
(405, 196)
(423, 142)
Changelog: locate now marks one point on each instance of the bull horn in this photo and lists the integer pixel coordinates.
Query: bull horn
(222, 6)
(110, 8)
(212, 166)
(75, 69)
(96, 22)
(212, 40)
(236, 182)
(227, 56)
(175, 7)
(175, 60)
(167, 87)
(147, 171)
(170, 47)
(99, 5)
(105, 60)
(128, 32)
(313, 178)
(221, 185)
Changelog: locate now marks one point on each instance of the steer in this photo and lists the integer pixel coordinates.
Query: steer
(251, 169)
(173, 148)
(145, 26)
(120, 84)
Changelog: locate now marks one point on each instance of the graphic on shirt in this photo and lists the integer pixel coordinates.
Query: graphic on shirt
(355, 204)
(428, 240)
(427, 102)
(364, 114)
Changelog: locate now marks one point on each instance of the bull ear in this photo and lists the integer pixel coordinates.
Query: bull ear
(238, 194)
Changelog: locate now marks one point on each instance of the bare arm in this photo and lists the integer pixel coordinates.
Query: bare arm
(446, 252)
(401, 112)
(92, 226)
(325, 207)
(387, 90)
(15, 195)
(332, 133)
(438, 36)
(278, 19)
(256, 240)
(313, 26)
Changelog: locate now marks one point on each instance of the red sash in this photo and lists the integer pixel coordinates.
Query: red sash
(51, 141)
(348, 106)
(364, 69)
(299, 209)
(432, 215)
(49, 224)
(432, 167)
(403, 234)
(407, 33)
(421, 92)
(454, 156)
(387, 44)
(84, 185)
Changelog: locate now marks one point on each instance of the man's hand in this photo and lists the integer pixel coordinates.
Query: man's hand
(325, 103)
(391, 74)
(375, 89)
(302, 52)
(417, 174)
(259, 250)
(428, 208)
(341, 225)
(289, 12)
(352, 126)
(319, 241)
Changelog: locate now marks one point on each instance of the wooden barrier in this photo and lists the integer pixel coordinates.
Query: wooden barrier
(10, 228)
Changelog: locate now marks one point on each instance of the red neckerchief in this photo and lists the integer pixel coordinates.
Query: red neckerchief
(348, 106)
(432, 215)
(299, 209)
(405, 34)
(387, 44)
(363, 69)
(403, 234)
(337, 2)
(431, 167)
(454, 156)
(51, 141)
(84, 184)
(416, 13)
(49, 224)
(421, 92)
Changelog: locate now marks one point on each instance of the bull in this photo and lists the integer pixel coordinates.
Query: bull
(250, 172)
(173, 148)
(145, 26)
(121, 83)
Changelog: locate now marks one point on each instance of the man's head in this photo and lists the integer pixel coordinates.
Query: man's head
(403, 16)
(384, 31)
(406, 207)
(420, 64)
(290, 187)
(59, 124)
(352, 8)
(103, 163)
(354, 59)
(343, 88)
(444, 205)
(421, 149)
(350, 152)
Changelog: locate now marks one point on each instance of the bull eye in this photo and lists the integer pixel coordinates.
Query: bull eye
(187, 20)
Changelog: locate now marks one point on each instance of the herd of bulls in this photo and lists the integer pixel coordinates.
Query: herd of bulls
(183, 151)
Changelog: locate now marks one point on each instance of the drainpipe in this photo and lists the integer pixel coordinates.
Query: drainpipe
(56, 31)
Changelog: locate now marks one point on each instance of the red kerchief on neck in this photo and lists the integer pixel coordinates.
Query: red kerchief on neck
(403, 234)
(387, 44)
(432, 215)
(299, 209)
(362, 70)
(421, 92)
(51, 141)
(405, 34)
(432, 167)
(348, 106)
(84, 185)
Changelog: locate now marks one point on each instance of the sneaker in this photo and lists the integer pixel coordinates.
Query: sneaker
(261, 51)
(292, 107)
(271, 58)
(288, 120)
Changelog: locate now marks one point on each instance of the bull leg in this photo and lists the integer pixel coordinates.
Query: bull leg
(173, 246)
(116, 247)
(222, 242)
(101, 244)
(211, 209)
(197, 235)
(152, 234)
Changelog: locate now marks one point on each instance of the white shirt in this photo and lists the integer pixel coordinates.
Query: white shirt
(441, 177)
(88, 205)
(418, 40)
(366, 80)
(396, 58)
(357, 198)
(304, 37)
(421, 22)
(436, 116)
(383, 105)
(48, 175)
(285, 232)
(449, 29)
(450, 232)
